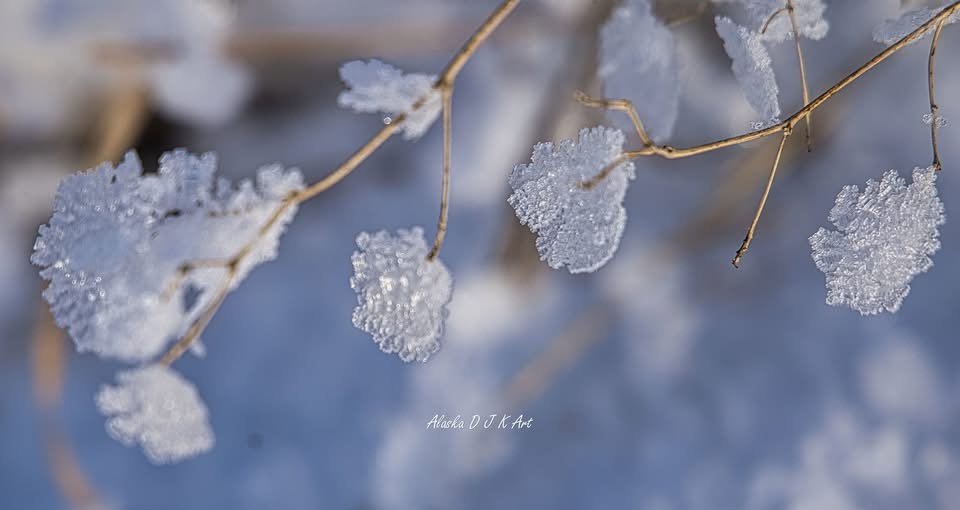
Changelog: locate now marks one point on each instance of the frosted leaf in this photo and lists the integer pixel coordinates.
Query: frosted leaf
(751, 67)
(929, 118)
(376, 87)
(892, 30)
(401, 297)
(156, 408)
(116, 238)
(578, 228)
(638, 62)
(885, 236)
(808, 14)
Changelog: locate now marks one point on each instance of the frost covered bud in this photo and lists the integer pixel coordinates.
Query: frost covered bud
(401, 296)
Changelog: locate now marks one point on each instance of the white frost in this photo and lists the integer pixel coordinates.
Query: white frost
(807, 13)
(401, 297)
(156, 408)
(117, 237)
(376, 87)
(885, 236)
(752, 68)
(578, 228)
(893, 30)
(638, 62)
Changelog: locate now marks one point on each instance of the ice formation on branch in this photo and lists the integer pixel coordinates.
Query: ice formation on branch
(893, 30)
(752, 68)
(638, 62)
(808, 15)
(376, 87)
(117, 238)
(156, 408)
(930, 119)
(401, 296)
(576, 227)
(885, 236)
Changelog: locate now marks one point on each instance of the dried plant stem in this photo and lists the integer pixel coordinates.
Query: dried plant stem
(785, 127)
(745, 245)
(934, 109)
(198, 325)
(445, 179)
(443, 85)
(803, 72)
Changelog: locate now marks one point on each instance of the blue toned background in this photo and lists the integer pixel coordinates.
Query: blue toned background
(665, 381)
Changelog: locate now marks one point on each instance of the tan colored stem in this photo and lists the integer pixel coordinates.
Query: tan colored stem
(934, 109)
(443, 85)
(745, 245)
(445, 179)
(803, 72)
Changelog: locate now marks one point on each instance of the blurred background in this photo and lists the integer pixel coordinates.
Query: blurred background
(667, 380)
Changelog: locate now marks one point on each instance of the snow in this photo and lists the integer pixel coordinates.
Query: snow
(638, 62)
(376, 87)
(809, 15)
(576, 227)
(752, 68)
(884, 237)
(401, 296)
(156, 408)
(892, 30)
(117, 237)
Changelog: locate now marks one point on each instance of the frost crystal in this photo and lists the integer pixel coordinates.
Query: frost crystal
(751, 66)
(885, 236)
(893, 30)
(375, 87)
(158, 409)
(638, 62)
(578, 228)
(401, 297)
(117, 237)
(929, 119)
(808, 14)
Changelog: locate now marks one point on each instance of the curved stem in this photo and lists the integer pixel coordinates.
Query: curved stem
(445, 179)
(745, 245)
(803, 72)
(934, 109)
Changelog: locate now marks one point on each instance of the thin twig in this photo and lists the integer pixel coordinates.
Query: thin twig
(623, 105)
(198, 325)
(803, 72)
(443, 85)
(934, 109)
(445, 179)
(763, 201)
(773, 15)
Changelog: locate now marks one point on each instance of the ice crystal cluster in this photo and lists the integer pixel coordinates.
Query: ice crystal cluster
(751, 67)
(401, 296)
(112, 250)
(638, 62)
(884, 237)
(376, 87)
(155, 407)
(893, 30)
(747, 48)
(117, 237)
(809, 15)
(576, 227)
